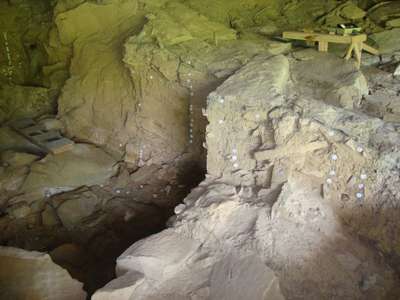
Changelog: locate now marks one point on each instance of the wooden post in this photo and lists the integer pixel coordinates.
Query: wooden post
(349, 52)
(323, 46)
(357, 51)
(309, 43)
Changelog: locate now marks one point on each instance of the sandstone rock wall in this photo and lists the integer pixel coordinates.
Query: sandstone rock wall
(284, 130)
(151, 114)
(294, 177)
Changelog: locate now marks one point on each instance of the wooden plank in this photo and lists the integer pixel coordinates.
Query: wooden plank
(60, 145)
(370, 49)
(349, 51)
(47, 140)
(330, 38)
(323, 46)
(23, 123)
(48, 136)
(33, 131)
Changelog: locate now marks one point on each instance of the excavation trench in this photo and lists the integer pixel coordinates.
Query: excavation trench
(87, 238)
(85, 229)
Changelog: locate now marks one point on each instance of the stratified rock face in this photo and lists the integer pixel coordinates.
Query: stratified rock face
(294, 175)
(146, 102)
(98, 98)
(33, 275)
(284, 128)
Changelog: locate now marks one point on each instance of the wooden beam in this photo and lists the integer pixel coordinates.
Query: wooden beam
(370, 49)
(321, 37)
(358, 51)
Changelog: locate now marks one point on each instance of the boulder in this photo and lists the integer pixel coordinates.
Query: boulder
(141, 264)
(68, 254)
(352, 12)
(343, 86)
(33, 275)
(83, 165)
(393, 23)
(17, 159)
(80, 206)
(388, 41)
